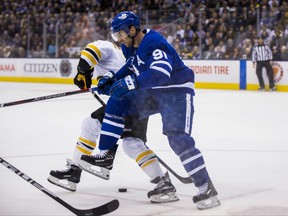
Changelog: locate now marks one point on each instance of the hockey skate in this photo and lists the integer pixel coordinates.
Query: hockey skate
(68, 178)
(99, 164)
(164, 191)
(207, 199)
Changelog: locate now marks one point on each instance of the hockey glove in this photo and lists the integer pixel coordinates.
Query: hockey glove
(123, 86)
(83, 79)
(105, 83)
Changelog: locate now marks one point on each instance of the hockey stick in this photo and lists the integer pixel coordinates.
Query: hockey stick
(48, 97)
(101, 210)
(184, 180)
(98, 98)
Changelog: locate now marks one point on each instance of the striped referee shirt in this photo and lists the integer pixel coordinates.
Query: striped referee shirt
(261, 53)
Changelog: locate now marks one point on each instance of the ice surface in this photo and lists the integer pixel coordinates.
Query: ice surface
(242, 134)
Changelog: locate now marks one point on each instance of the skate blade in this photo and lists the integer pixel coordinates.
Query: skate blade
(208, 203)
(71, 186)
(102, 173)
(164, 198)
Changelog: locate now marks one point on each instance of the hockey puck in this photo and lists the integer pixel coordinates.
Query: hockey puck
(122, 190)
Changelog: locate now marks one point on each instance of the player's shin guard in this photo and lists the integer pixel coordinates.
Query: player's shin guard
(83, 147)
(146, 159)
(193, 162)
(90, 131)
(99, 164)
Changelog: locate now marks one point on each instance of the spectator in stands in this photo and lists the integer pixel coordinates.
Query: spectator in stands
(207, 42)
(246, 48)
(278, 40)
(236, 54)
(168, 37)
(218, 53)
(186, 53)
(63, 52)
(210, 53)
(177, 46)
(285, 32)
(241, 36)
(229, 46)
(179, 32)
(284, 53)
(1, 51)
(20, 52)
(218, 38)
(7, 52)
(276, 54)
(51, 50)
(196, 53)
(247, 53)
(222, 46)
(223, 18)
(264, 33)
(38, 51)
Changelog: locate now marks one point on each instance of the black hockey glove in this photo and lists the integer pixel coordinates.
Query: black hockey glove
(83, 79)
(105, 83)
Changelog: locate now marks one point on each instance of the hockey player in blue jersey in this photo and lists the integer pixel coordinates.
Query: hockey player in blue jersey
(100, 57)
(153, 80)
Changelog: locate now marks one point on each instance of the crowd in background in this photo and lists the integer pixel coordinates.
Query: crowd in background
(198, 29)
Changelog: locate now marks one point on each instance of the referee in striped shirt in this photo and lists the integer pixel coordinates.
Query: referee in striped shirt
(262, 58)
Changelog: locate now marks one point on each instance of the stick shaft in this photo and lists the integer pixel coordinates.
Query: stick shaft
(184, 180)
(34, 183)
(47, 97)
(100, 210)
(98, 98)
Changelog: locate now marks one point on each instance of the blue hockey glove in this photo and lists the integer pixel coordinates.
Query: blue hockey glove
(105, 83)
(123, 86)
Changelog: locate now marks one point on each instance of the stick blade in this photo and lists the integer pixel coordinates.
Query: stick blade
(100, 210)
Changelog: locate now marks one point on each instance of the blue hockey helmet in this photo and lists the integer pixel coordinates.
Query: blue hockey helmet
(123, 21)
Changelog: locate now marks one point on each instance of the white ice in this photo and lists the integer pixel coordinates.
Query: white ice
(243, 136)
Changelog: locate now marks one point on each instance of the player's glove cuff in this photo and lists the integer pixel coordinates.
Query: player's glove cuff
(105, 83)
(121, 87)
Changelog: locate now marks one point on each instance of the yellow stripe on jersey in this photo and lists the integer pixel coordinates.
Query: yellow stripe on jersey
(89, 56)
(148, 162)
(84, 151)
(95, 49)
(87, 142)
(143, 154)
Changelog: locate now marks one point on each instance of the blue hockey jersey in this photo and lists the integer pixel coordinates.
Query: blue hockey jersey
(156, 64)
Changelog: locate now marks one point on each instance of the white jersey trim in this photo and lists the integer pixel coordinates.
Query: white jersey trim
(185, 85)
(188, 114)
(113, 123)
